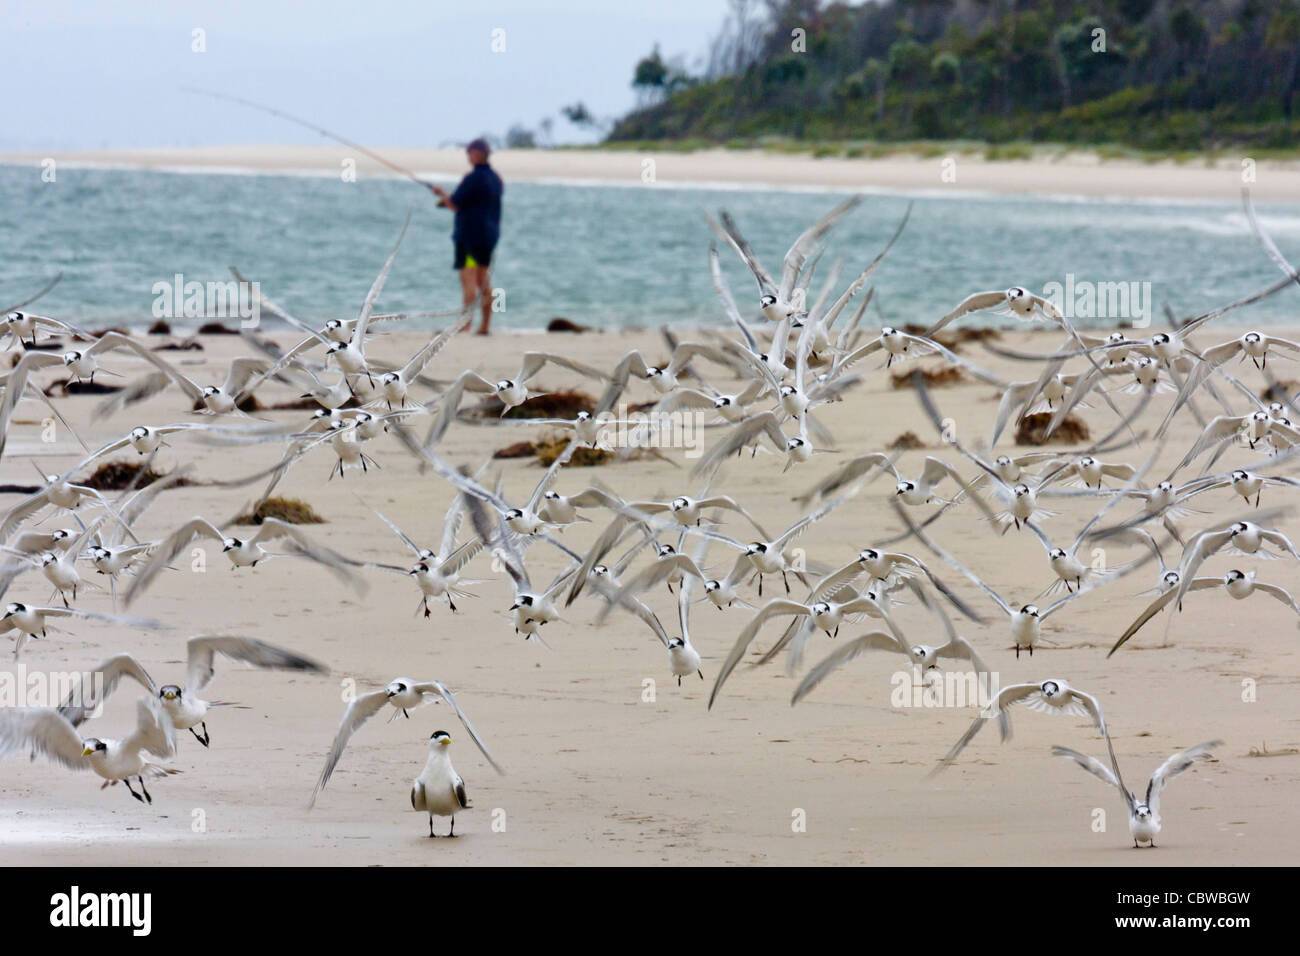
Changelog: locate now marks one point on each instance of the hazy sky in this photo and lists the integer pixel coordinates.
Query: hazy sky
(86, 74)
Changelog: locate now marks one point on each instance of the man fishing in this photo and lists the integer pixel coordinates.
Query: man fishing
(477, 205)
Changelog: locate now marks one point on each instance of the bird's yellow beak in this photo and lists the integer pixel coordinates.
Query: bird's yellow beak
(87, 751)
(446, 741)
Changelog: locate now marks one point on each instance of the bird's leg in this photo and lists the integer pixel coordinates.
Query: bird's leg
(405, 714)
(453, 827)
(425, 604)
(147, 796)
(1017, 652)
(197, 737)
(787, 582)
(434, 836)
(133, 793)
(207, 737)
(451, 602)
(679, 680)
(1257, 494)
(701, 673)
(1031, 650)
(760, 585)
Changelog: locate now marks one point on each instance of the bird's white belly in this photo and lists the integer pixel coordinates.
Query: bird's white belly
(829, 620)
(512, 396)
(433, 584)
(1143, 831)
(61, 576)
(29, 622)
(64, 496)
(245, 555)
(1024, 630)
(186, 712)
(1068, 569)
(219, 403)
(117, 764)
(917, 496)
(683, 660)
(147, 444)
(439, 791)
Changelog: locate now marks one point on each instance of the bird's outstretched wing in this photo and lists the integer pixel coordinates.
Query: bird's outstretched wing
(201, 650)
(1175, 765)
(872, 641)
(86, 697)
(437, 687)
(361, 708)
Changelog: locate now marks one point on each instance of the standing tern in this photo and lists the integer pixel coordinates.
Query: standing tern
(1143, 815)
(439, 789)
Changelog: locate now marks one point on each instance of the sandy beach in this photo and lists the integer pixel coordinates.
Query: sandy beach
(1077, 173)
(594, 772)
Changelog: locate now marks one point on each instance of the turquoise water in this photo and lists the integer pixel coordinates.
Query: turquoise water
(609, 256)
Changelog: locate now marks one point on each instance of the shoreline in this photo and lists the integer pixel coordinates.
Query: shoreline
(1074, 175)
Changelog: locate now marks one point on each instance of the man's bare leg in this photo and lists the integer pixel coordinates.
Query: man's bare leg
(468, 290)
(485, 296)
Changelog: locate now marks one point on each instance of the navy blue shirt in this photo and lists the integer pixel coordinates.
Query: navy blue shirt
(478, 208)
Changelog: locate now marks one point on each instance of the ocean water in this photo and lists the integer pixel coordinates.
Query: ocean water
(612, 256)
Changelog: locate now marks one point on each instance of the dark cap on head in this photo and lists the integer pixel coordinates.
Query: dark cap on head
(480, 144)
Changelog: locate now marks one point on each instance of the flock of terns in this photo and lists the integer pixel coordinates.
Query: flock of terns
(797, 353)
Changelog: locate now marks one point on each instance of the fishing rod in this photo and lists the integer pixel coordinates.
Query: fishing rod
(314, 128)
(26, 302)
